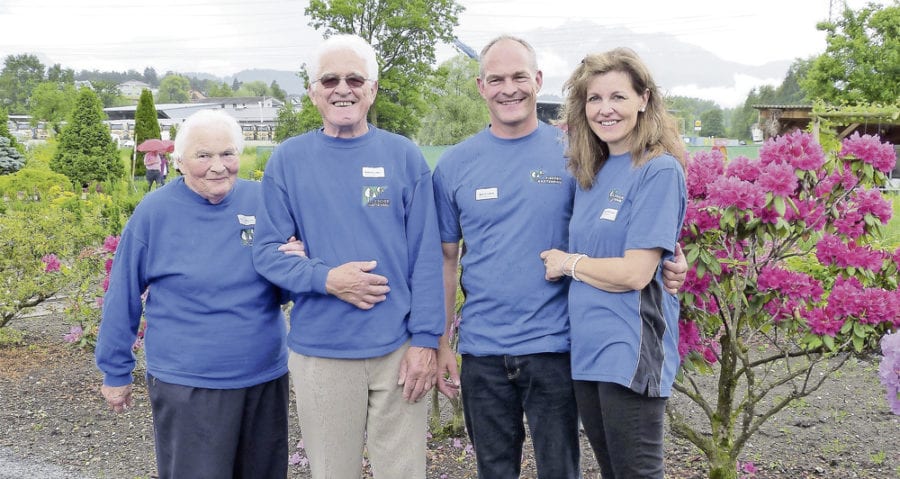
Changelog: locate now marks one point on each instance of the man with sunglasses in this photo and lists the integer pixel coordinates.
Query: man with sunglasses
(368, 298)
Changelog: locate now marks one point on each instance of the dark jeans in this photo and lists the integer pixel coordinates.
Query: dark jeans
(625, 429)
(497, 391)
(220, 433)
(154, 176)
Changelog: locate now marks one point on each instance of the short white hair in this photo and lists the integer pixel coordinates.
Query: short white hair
(354, 43)
(205, 119)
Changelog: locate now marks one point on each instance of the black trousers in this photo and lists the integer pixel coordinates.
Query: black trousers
(625, 429)
(220, 433)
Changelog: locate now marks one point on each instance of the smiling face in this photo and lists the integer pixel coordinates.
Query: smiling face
(612, 108)
(343, 107)
(510, 85)
(210, 164)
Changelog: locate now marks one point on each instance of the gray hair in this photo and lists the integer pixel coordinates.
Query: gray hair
(354, 43)
(205, 119)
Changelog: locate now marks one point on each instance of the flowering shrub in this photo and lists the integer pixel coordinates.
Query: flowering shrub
(83, 306)
(787, 278)
(889, 369)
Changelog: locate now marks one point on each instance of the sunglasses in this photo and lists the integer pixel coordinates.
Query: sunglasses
(353, 80)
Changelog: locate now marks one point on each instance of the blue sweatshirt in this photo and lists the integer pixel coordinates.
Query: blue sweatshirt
(359, 199)
(508, 199)
(212, 321)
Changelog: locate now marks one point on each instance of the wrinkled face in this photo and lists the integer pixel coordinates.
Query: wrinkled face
(510, 87)
(612, 109)
(345, 104)
(210, 164)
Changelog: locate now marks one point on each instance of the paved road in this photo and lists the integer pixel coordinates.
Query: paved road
(13, 467)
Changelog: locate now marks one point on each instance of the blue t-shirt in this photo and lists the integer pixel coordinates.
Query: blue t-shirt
(629, 338)
(508, 200)
(212, 320)
(353, 199)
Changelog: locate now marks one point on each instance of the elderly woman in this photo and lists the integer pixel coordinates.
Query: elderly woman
(627, 157)
(215, 336)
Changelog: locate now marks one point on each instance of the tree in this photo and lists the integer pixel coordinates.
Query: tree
(52, 102)
(86, 152)
(457, 111)
(58, 74)
(788, 281)
(276, 91)
(712, 123)
(150, 76)
(108, 92)
(174, 89)
(220, 91)
(146, 126)
(254, 88)
(404, 35)
(21, 74)
(11, 160)
(4, 127)
(861, 63)
(287, 123)
(235, 85)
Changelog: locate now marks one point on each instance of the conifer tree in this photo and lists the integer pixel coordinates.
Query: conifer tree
(146, 126)
(86, 153)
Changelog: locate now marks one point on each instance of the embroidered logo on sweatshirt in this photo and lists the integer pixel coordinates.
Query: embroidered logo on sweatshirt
(247, 223)
(538, 176)
(372, 197)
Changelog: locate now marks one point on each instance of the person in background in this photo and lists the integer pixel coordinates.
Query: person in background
(153, 163)
(215, 333)
(506, 194)
(628, 160)
(368, 301)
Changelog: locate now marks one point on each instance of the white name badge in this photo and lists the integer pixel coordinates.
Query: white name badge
(609, 214)
(246, 220)
(373, 172)
(486, 194)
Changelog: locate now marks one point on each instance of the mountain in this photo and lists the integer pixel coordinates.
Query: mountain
(680, 68)
(287, 80)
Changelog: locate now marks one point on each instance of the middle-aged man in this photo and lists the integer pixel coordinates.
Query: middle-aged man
(506, 193)
(368, 300)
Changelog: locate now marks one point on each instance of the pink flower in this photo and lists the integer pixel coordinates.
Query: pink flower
(779, 179)
(869, 149)
(51, 263)
(709, 354)
(725, 192)
(821, 323)
(111, 243)
(108, 265)
(797, 149)
(688, 337)
(75, 334)
(744, 168)
(702, 170)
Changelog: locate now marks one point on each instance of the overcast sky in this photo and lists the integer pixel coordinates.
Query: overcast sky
(222, 37)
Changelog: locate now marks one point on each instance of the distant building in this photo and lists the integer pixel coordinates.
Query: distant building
(256, 115)
(132, 89)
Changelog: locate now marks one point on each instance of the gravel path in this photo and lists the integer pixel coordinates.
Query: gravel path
(12, 467)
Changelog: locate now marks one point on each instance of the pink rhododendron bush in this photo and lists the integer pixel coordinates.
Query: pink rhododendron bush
(789, 279)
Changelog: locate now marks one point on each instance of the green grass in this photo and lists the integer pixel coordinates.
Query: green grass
(892, 229)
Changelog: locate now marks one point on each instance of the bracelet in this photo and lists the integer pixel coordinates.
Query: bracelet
(575, 263)
(562, 267)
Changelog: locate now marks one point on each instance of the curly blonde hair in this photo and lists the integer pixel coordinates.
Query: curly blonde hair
(654, 134)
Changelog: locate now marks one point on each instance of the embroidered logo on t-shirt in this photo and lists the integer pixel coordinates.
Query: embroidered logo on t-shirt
(487, 194)
(372, 197)
(248, 222)
(616, 197)
(538, 176)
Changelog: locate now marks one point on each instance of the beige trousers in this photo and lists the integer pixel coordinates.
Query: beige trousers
(345, 404)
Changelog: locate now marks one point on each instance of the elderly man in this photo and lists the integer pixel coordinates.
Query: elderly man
(368, 300)
(506, 194)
